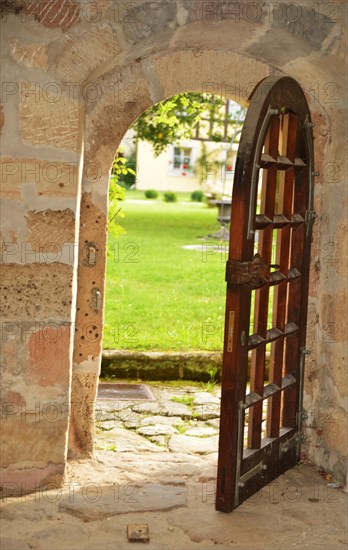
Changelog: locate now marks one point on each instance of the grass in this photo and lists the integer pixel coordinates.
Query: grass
(160, 296)
(182, 427)
(210, 385)
(184, 399)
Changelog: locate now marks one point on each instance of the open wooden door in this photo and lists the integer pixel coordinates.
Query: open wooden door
(267, 276)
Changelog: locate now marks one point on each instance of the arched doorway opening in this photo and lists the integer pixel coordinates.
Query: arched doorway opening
(106, 124)
(165, 285)
(91, 437)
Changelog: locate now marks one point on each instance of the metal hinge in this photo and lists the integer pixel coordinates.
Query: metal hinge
(91, 254)
(311, 215)
(246, 273)
(310, 218)
(96, 300)
(288, 444)
(303, 415)
(251, 473)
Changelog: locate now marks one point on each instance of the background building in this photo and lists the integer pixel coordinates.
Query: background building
(180, 167)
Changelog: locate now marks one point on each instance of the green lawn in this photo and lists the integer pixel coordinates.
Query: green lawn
(159, 295)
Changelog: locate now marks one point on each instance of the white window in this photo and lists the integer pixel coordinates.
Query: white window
(182, 160)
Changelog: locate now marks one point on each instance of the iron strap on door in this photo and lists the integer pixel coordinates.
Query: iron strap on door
(267, 275)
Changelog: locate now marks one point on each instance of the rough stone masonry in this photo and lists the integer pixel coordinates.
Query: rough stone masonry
(75, 75)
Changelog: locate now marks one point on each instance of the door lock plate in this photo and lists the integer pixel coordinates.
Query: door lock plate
(247, 273)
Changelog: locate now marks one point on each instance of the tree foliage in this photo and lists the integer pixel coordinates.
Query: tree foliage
(117, 193)
(176, 118)
(165, 124)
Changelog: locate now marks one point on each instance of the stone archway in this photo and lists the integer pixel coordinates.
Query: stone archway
(122, 65)
(124, 94)
(106, 124)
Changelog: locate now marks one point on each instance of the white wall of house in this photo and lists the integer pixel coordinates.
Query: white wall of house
(176, 168)
(159, 172)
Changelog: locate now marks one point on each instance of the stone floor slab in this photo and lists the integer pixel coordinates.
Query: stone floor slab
(158, 429)
(207, 411)
(172, 408)
(149, 497)
(60, 536)
(147, 407)
(125, 441)
(167, 420)
(191, 444)
(201, 431)
(13, 544)
(202, 398)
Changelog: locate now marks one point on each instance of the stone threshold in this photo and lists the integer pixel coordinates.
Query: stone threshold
(160, 365)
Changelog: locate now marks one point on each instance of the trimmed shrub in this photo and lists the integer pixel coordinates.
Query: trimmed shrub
(151, 194)
(197, 196)
(169, 196)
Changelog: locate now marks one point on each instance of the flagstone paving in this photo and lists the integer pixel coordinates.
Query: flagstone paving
(155, 463)
(178, 421)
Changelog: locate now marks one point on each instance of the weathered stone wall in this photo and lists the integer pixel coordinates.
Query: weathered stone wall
(41, 146)
(75, 75)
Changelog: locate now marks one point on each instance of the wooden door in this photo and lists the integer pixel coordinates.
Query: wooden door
(267, 292)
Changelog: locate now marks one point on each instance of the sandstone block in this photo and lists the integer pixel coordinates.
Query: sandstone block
(338, 252)
(80, 57)
(2, 118)
(84, 412)
(147, 19)
(29, 55)
(49, 178)
(240, 77)
(42, 440)
(50, 230)
(123, 96)
(335, 429)
(334, 317)
(91, 278)
(49, 352)
(48, 116)
(36, 292)
(300, 21)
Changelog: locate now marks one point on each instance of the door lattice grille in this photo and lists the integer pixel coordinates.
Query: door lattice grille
(267, 288)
